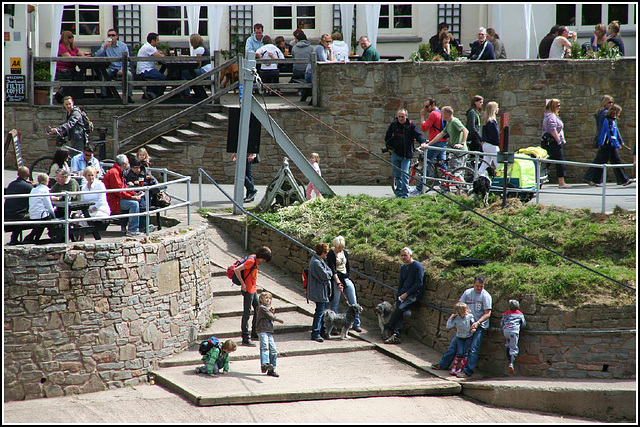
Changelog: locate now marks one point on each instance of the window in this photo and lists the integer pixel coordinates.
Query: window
(240, 28)
(284, 17)
(399, 14)
(589, 15)
(451, 14)
(172, 21)
(81, 19)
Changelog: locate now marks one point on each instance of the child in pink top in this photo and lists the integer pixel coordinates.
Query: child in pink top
(314, 159)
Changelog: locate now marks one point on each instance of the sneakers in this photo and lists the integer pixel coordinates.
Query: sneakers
(511, 369)
(133, 233)
(248, 343)
(393, 339)
(629, 182)
(386, 334)
(251, 196)
(593, 184)
(266, 367)
(463, 374)
(318, 339)
(272, 373)
(198, 371)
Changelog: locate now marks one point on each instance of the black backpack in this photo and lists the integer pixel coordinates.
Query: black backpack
(208, 344)
(88, 124)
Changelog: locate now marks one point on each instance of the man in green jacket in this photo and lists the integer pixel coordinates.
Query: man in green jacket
(370, 53)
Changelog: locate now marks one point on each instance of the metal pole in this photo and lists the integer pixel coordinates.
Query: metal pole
(188, 200)
(215, 80)
(536, 161)
(604, 187)
(116, 137)
(246, 77)
(66, 217)
(505, 165)
(125, 78)
(314, 79)
(200, 186)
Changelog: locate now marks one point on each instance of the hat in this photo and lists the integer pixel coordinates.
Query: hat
(89, 147)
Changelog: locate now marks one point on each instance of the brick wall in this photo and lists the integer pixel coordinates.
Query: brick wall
(566, 354)
(360, 101)
(94, 316)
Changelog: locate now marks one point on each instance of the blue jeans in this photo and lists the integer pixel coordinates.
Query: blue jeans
(462, 346)
(248, 178)
(402, 179)
(154, 75)
(397, 317)
(350, 292)
(133, 207)
(186, 75)
(434, 156)
(472, 362)
(249, 300)
(316, 327)
(113, 74)
(268, 350)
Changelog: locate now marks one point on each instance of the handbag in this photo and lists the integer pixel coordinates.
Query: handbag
(164, 199)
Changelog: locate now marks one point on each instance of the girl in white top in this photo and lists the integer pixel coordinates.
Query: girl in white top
(314, 159)
(560, 47)
(100, 207)
(41, 207)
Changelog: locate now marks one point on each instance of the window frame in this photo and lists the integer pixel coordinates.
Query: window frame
(294, 18)
(184, 23)
(605, 18)
(392, 16)
(76, 23)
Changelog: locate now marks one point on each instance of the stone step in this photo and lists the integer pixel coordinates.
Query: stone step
(187, 134)
(229, 327)
(205, 126)
(291, 344)
(218, 117)
(161, 149)
(217, 271)
(232, 305)
(172, 140)
(307, 377)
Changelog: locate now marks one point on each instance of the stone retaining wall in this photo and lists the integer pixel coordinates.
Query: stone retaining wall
(94, 316)
(563, 355)
(360, 99)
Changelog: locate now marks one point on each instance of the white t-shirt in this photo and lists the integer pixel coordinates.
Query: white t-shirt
(478, 303)
(200, 51)
(340, 50)
(265, 50)
(556, 51)
(144, 66)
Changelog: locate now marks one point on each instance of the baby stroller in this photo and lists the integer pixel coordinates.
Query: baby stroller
(521, 174)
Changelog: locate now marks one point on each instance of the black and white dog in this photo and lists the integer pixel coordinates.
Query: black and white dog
(343, 321)
(383, 312)
(481, 188)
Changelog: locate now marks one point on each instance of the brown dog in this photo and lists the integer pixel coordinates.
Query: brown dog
(229, 75)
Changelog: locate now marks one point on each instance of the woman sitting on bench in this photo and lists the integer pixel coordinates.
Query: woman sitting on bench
(40, 208)
(100, 207)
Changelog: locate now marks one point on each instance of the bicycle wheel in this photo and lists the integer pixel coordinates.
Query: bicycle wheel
(433, 174)
(466, 176)
(41, 165)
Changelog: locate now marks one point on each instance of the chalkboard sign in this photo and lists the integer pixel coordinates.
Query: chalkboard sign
(13, 138)
(15, 88)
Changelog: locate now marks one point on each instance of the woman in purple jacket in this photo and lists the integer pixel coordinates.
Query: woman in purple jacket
(553, 138)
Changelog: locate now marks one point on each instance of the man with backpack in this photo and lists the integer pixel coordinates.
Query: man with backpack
(76, 127)
(247, 274)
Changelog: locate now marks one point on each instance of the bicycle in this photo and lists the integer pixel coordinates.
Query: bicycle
(43, 164)
(461, 178)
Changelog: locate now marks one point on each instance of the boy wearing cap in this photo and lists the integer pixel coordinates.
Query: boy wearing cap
(510, 324)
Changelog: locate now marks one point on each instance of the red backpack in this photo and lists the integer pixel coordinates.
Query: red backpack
(231, 270)
(305, 282)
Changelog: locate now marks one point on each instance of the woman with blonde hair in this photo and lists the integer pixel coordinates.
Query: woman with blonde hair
(490, 136)
(552, 138)
(338, 260)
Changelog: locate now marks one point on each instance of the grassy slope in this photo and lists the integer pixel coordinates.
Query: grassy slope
(440, 231)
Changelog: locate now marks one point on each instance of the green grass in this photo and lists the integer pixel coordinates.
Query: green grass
(440, 231)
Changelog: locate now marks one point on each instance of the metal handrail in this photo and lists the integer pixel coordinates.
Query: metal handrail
(147, 212)
(537, 162)
(202, 172)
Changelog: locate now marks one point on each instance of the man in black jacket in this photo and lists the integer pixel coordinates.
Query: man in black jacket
(399, 141)
(18, 209)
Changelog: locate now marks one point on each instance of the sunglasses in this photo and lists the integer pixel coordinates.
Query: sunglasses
(112, 35)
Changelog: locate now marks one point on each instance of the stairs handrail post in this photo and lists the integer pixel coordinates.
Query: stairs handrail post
(246, 77)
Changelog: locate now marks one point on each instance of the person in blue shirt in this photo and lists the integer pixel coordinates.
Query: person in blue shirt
(113, 48)
(79, 162)
(609, 141)
(255, 41)
(482, 49)
(409, 292)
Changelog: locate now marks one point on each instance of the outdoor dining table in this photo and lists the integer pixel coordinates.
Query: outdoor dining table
(95, 226)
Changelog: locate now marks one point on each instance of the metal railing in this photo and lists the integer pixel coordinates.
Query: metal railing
(146, 213)
(537, 162)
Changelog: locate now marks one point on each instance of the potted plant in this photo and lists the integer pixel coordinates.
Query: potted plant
(41, 73)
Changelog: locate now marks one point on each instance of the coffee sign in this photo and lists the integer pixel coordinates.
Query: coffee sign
(15, 88)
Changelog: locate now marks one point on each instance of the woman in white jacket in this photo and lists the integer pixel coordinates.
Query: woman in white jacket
(100, 207)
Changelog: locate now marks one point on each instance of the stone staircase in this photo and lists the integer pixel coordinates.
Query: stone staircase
(309, 370)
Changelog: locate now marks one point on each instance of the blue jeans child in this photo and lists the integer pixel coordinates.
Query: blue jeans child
(268, 350)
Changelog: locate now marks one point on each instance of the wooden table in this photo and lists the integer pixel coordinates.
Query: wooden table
(100, 68)
(84, 208)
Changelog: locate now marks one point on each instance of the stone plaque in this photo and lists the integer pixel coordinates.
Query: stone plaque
(169, 277)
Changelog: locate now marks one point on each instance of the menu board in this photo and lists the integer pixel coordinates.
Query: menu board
(15, 88)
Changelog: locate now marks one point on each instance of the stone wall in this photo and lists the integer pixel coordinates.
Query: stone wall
(564, 354)
(94, 316)
(359, 100)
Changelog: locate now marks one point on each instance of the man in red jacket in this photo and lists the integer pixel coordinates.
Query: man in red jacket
(130, 201)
